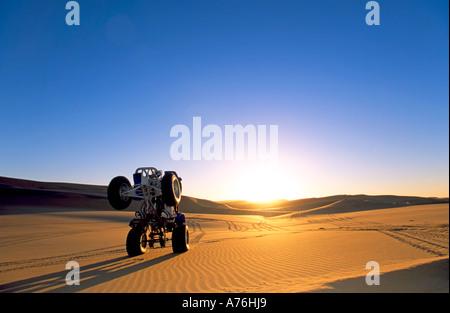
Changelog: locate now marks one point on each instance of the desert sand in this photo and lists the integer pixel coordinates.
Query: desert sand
(309, 245)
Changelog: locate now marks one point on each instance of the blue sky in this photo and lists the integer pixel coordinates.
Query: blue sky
(360, 109)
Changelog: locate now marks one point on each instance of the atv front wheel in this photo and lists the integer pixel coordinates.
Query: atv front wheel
(116, 187)
(180, 239)
(171, 189)
(136, 241)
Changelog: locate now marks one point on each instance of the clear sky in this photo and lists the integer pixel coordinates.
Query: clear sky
(359, 109)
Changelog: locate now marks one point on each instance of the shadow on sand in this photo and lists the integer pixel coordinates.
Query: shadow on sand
(90, 275)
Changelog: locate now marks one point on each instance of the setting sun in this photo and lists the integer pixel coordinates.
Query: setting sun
(265, 182)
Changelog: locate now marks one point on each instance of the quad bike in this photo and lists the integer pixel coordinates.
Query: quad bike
(159, 213)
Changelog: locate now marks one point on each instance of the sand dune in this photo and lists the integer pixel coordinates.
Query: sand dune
(332, 204)
(309, 245)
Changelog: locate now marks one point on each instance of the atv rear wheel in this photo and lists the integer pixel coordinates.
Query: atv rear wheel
(180, 239)
(171, 189)
(136, 241)
(116, 187)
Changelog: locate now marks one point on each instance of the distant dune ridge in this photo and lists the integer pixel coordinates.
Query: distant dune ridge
(306, 245)
(19, 192)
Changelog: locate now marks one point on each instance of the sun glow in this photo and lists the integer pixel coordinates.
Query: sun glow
(266, 181)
